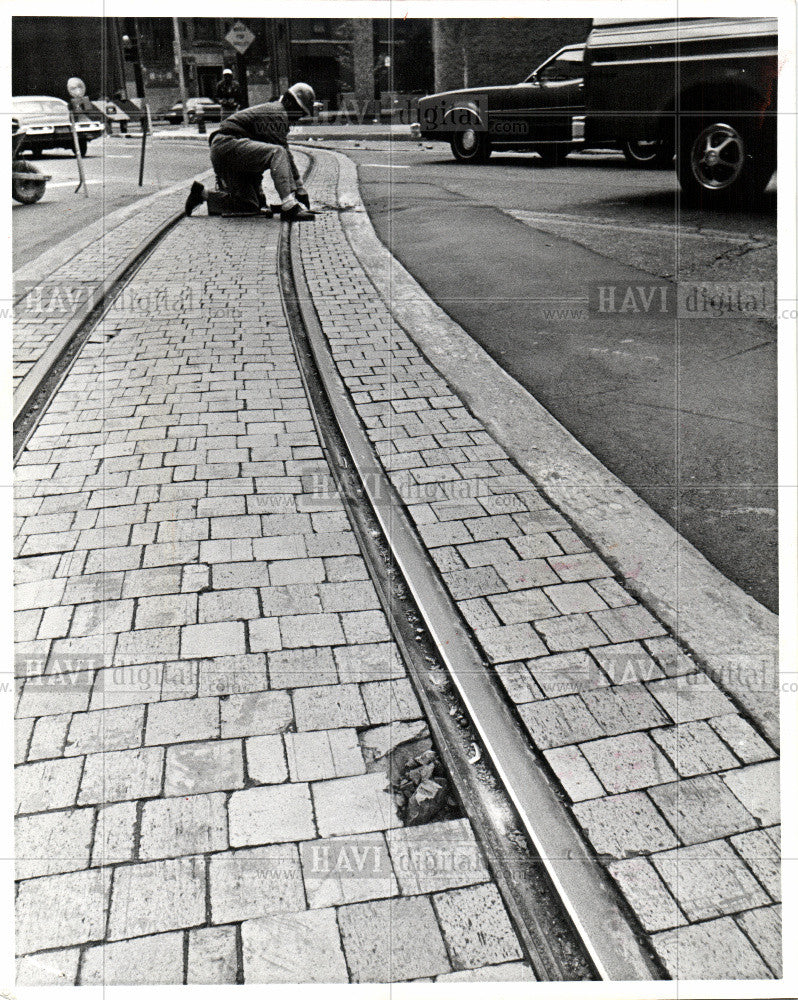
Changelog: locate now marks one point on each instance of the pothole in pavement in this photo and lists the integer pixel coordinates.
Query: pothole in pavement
(405, 753)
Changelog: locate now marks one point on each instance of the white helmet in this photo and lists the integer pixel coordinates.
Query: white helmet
(226, 71)
(304, 95)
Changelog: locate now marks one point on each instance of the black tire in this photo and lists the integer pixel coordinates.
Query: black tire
(724, 162)
(470, 146)
(553, 156)
(83, 144)
(26, 192)
(647, 155)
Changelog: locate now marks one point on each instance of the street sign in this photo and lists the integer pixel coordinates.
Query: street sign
(240, 37)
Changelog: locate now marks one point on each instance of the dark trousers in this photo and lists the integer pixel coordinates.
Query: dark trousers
(240, 165)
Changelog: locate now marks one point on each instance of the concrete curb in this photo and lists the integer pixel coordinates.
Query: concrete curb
(733, 636)
(297, 136)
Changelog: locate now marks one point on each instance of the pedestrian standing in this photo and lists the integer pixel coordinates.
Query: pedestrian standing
(246, 145)
(228, 94)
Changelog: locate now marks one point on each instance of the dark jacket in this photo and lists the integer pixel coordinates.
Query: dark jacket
(228, 91)
(262, 122)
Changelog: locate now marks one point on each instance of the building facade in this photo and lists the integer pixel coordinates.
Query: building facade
(359, 66)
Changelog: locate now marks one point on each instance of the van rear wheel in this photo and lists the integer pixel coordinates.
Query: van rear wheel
(724, 161)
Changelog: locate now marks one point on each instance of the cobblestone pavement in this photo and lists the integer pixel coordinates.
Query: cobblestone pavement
(673, 789)
(53, 286)
(208, 691)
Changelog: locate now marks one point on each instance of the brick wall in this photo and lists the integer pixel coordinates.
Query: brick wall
(484, 51)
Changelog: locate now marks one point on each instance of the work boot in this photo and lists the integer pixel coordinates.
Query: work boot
(297, 213)
(195, 197)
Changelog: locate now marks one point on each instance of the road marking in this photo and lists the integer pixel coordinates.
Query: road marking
(118, 156)
(387, 166)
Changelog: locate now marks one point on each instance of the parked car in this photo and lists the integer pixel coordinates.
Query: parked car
(211, 111)
(706, 86)
(545, 113)
(45, 121)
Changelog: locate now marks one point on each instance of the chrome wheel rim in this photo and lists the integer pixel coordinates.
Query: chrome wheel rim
(718, 156)
(468, 141)
(644, 149)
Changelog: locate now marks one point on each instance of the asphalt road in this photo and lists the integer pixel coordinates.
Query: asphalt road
(112, 170)
(683, 411)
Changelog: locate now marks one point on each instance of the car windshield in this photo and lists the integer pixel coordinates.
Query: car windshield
(52, 107)
(565, 65)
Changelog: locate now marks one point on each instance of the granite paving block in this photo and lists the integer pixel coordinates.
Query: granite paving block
(293, 948)
(194, 768)
(330, 707)
(49, 968)
(519, 606)
(510, 642)
(578, 566)
(257, 882)
(624, 709)
(518, 682)
(715, 949)
(645, 891)
(709, 880)
(53, 843)
(763, 858)
(757, 787)
(60, 910)
(702, 808)
(340, 870)
(155, 960)
(328, 753)
(476, 927)
(559, 722)
(694, 748)
(362, 803)
(114, 834)
(763, 927)
(574, 773)
(625, 763)
(212, 956)
(266, 759)
(392, 940)
(523, 574)
(47, 784)
(743, 739)
(292, 668)
(368, 662)
(121, 774)
(436, 856)
(156, 896)
(187, 824)
(689, 698)
(627, 662)
(256, 714)
(109, 729)
(270, 814)
(624, 825)
(627, 623)
(566, 673)
(182, 721)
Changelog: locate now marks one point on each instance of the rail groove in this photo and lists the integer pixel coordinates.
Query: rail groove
(568, 916)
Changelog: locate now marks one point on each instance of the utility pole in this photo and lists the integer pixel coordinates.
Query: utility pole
(179, 65)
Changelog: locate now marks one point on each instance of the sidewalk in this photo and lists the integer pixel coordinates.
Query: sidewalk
(208, 685)
(376, 132)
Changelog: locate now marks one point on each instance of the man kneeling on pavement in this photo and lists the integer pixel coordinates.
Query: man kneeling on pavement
(247, 144)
